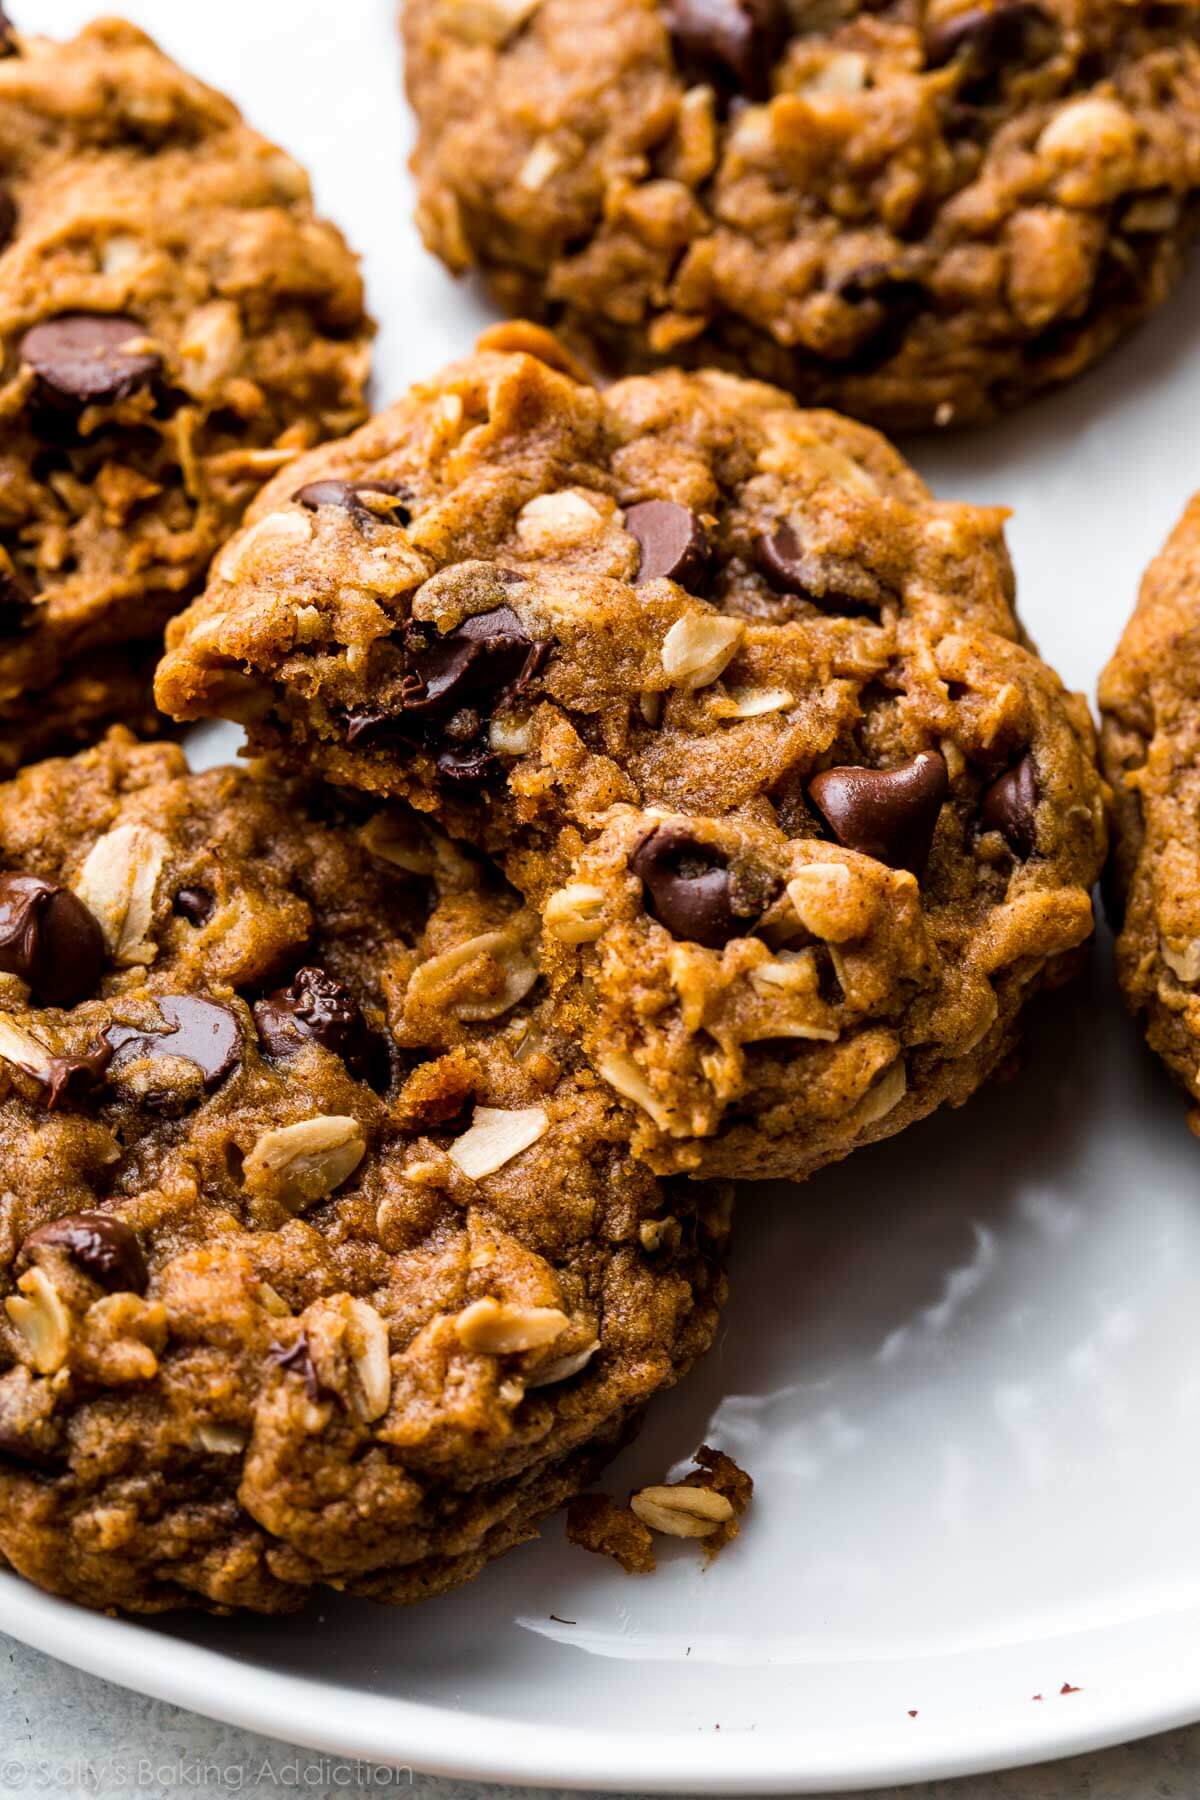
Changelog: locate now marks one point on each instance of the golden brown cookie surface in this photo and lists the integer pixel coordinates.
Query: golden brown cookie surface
(321, 1261)
(175, 324)
(920, 212)
(743, 711)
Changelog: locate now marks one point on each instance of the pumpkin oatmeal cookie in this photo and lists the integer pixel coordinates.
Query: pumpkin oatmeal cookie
(919, 211)
(175, 324)
(1150, 742)
(744, 713)
(323, 1260)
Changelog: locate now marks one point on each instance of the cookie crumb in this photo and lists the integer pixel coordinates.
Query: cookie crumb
(723, 1491)
(721, 1475)
(596, 1522)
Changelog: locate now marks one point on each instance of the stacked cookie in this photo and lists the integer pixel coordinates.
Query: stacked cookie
(744, 715)
(650, 784)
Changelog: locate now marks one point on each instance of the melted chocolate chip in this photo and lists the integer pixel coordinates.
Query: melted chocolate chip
(688, 887)
(889, 814)
(985, 40)
(200, 1031)
(195, 904)
(8, 35)
(297, 1360)
(466, 765)
(376, 730)
(673, 542)
(8, 216)
(733, 43)
(316, 1008)
(834, 583)
(71, 1080)
(452, 683)
(49, 939)
(1010, 807)
(67, 1080)
(89, 359)
(349, 496)
(103, 1246)
(489, 654)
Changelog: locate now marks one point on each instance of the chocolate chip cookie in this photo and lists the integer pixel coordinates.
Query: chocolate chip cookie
(175, 324)
(323, 1259)
(744, 713)
(1149, 744)
(918, 211)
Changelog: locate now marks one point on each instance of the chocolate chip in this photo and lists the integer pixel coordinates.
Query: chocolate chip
(89, 359)
(195, 904)
(200, 1031)
(673, 542)
(316, 1008)
(50, 939)
(1010, 807)
(889, 814)
(734, 43)
(376, 730)
(834, 583)
(297, 1360)
(8, 216)
(488, 654)
(8, 35)
(688, 887)
(103, 1246)
(885, 283)
(67, 1080)
(71, 1080)
(349, 496)
(467, 765)
(986, 40)
(894, 297)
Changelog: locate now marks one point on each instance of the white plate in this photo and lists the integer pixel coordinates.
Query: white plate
(963, 1368)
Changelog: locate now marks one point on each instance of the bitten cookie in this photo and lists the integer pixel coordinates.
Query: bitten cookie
(1150, 742)
(322, 1258)
(744, 712)
(175, 323)
(919, 213)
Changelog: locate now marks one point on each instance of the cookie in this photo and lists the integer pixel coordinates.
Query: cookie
(920, 214)
(89, 694)
(175, 324)
(1148, 738)
(744, 713)
(323, 1259)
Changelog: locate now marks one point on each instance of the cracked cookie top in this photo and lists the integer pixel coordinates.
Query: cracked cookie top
(743, 711)
(322, 1260)
(920, 211)
(175, 324)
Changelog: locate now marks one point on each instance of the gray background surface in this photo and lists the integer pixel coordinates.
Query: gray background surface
(64, 1733)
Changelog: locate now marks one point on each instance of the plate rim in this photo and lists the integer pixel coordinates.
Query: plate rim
(440, 1741)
